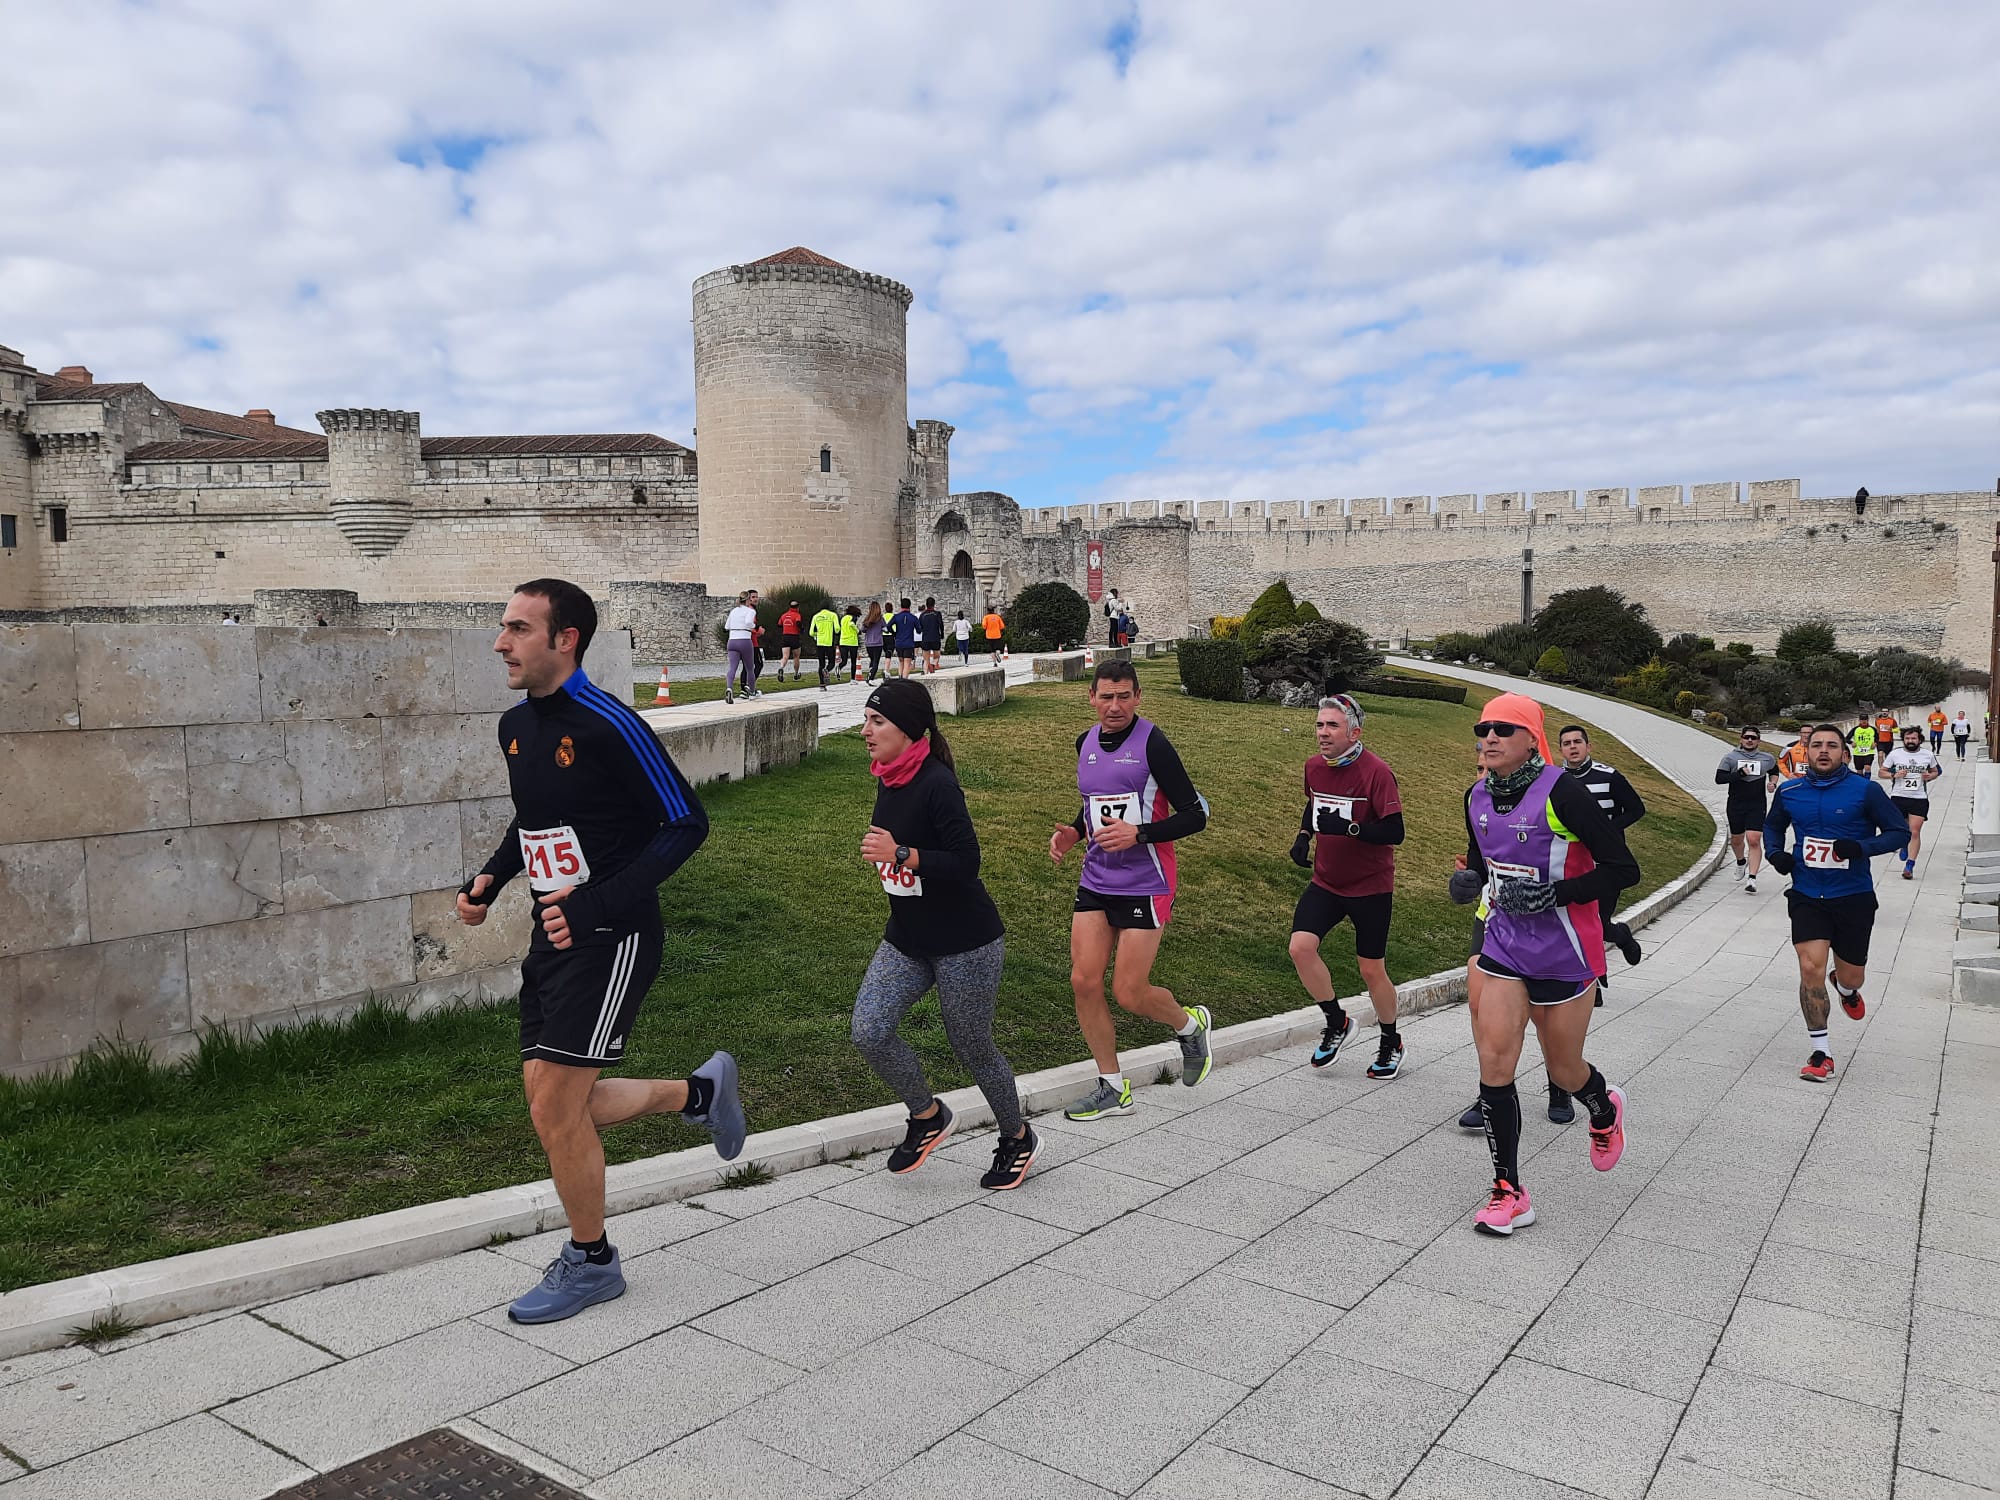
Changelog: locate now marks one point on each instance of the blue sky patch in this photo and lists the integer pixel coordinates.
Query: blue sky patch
(1531, 158)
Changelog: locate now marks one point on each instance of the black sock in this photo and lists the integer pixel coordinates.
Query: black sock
(1335, 1016)
(701, 1094)
(1502, 1108)
(1389, 1031)
(597, 1251)
(1596, 1096)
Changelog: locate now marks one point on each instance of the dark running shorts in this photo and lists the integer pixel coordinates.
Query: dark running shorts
(1478, 937)
(1746, 815)
(1320, 911)
(578, 1004)
(1845, 922)
(1141, 913)
(1540, 991)
(789, 641)
(1913, 807)
(1863, 762)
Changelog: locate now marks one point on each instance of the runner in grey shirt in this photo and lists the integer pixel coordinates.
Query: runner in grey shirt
(1751, 774)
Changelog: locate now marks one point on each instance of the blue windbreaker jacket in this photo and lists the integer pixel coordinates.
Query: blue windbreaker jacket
(1846, 805)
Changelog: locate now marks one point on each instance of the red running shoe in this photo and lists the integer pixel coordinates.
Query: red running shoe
(1853, 1005)
(1607, 1145)
(1507, 1209)
(1819, 1068)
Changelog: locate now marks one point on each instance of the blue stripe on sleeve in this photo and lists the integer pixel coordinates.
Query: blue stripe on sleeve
(632, 729)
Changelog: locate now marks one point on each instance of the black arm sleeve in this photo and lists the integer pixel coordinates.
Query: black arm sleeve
(1627, 806)
(1616, 870)
(681, 831)
(1387, 830)
(506, 861)
(1723, 777)
(950, 852)
(1474, 860)
(1189, 816)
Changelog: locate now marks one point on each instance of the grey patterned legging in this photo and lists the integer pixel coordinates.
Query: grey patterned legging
(968, 986)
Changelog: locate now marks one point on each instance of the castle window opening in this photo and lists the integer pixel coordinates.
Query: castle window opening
(220, 555)
(826, 460)
(8, 531)
(638, 494)
(58, 523)
(1653, 514)
(961, 564)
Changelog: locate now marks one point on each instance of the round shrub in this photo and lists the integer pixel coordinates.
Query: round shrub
(1048, 616)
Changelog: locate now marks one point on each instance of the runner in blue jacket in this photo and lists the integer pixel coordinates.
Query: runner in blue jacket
(1842, 820)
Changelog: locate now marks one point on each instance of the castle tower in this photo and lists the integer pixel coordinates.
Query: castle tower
(371, 459)
(800, 393)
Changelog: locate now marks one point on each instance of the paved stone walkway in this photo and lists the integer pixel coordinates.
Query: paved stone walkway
(1266, 1286)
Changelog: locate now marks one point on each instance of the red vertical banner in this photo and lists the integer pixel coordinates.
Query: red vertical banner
(1093, 557)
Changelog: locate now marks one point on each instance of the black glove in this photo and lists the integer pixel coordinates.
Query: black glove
(1779, 860)
(485, 898)
(1524, 898)
(1465, 887)
(1326, 821)
(1847, 849)
(1302, 850)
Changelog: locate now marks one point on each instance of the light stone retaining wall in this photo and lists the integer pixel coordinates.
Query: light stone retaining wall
(967, 690)
(229, 825)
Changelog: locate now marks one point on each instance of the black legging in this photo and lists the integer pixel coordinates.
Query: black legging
(874, 661)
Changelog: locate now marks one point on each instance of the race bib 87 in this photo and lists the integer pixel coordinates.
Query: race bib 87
(899, 882)
(1817, 854)
(1123, 806)
(553, 858)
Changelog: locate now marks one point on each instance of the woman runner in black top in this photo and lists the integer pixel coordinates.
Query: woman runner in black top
(943, 932)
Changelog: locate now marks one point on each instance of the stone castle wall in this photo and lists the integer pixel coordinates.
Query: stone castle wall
(790, 360)
(246, 826)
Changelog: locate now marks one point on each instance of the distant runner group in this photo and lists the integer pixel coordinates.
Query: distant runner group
(603, 817)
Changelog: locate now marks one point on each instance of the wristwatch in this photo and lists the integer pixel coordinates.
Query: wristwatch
(1353, 830)
(902, 856)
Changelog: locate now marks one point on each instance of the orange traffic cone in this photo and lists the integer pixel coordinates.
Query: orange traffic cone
(1006, 654)
(663, 695)
(857, 669)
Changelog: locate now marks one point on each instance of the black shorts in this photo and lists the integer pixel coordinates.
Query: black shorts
(1846, 922)
(1138, 913)
(1478, 936)
(1540, 991)
(578, 1004)
(1863, 762)
(1746, 816)
(1320, 911)
(906, 653)
(1913, 807)
(789, 641)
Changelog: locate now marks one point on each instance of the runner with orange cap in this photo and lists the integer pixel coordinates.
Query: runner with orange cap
(1545, 853)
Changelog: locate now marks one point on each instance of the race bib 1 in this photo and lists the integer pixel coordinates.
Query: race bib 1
(1342, 808)
(1817, 854)
(553, 858)
(899, 882)
(1123, 806)
(1753, 772)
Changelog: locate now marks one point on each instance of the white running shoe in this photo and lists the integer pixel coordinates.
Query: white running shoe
(1750, 886)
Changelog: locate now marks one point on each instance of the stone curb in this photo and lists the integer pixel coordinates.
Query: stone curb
(41, 1317)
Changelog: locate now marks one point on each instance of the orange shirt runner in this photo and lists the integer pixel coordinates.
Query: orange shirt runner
(994, 625)
(1936, 721)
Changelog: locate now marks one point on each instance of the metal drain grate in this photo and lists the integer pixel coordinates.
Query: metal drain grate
(437, 1466)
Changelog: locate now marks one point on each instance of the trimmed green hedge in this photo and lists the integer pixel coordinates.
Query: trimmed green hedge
(1411, 687)
(1212, 669)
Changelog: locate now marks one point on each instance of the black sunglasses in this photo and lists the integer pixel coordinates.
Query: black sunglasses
(1494, 726)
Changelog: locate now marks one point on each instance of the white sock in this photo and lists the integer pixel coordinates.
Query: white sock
(1818, 1040)
(1116, 1080)
(1842, 990)
(1193, 1025)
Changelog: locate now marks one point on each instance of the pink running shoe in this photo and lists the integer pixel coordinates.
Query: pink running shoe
(1606, 1146)
(1506, 1210)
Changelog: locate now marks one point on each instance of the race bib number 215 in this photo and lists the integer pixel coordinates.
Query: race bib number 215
(553, 858)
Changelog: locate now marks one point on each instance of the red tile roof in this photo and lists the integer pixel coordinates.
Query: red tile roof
(228, 450)
(798, 255)
(201, 419)
(48, 388)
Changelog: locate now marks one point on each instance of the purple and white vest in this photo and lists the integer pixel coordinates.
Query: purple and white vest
(1119, 784)
(1530, 843)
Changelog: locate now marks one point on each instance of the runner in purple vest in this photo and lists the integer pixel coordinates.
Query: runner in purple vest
(1546, 853)
(1137, 800)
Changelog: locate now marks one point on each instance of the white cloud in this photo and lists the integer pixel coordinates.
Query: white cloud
(1287, 245)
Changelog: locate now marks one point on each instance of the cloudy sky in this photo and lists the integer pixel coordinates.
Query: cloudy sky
(1255, 249)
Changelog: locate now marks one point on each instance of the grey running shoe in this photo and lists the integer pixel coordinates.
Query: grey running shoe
(1197, 1052)
(724, 1117)
(1101, 1101)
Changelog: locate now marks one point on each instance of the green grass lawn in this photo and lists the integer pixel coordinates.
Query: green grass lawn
(770, 927)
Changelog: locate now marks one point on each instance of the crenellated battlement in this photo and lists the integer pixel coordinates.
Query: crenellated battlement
(367, 419)
(828, 274)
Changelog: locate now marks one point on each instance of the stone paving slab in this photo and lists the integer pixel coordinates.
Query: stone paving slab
(1265, 1286)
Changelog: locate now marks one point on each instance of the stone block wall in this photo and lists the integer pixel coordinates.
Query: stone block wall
(221, 825)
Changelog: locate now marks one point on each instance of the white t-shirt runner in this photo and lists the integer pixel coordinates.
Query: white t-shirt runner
(742, 620)
(1907, 772)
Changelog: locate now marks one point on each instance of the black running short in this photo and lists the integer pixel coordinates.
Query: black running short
(789, 641)
(1913, 807)
(1141, 913)
(1863, 762)
(1746, 815)
(1478, 936)
(578, 1004)
(1845, 922)
(1320, 911)
(1540, 991)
